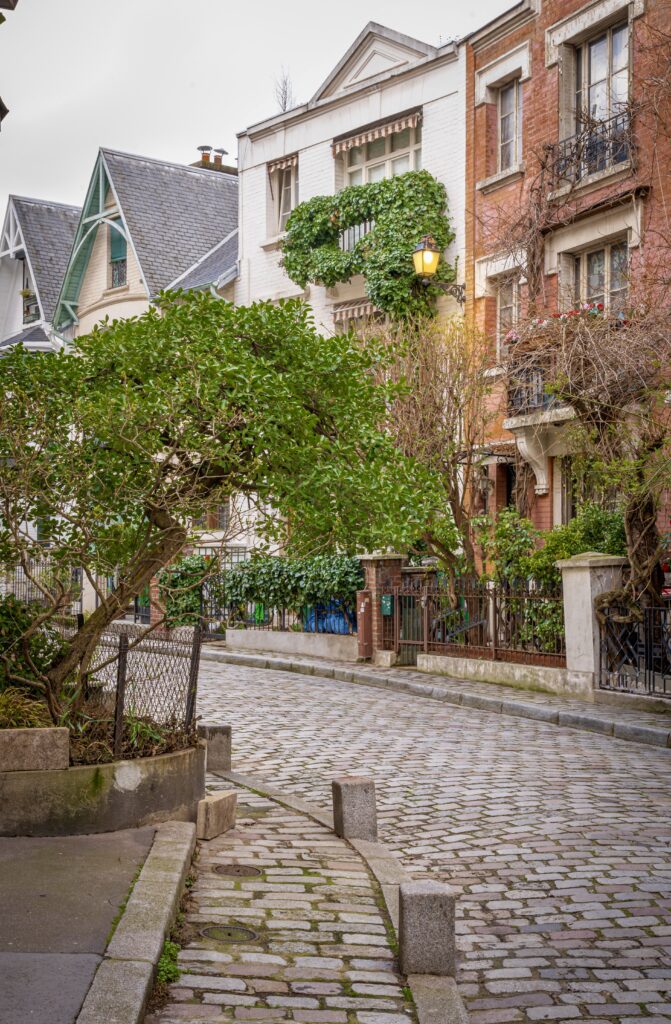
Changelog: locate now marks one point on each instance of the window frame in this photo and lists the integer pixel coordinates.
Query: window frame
(516, 140)
(504, 281)
(580, 272)
(581, 76)
(280, 190)
(118, 268)
(413, 150)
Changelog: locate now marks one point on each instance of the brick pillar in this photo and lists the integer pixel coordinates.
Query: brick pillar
(155, 613)
(383, 573)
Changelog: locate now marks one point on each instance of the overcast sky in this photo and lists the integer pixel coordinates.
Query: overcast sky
(160, 77)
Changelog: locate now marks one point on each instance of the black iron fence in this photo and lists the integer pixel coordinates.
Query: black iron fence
(600, 145)
(636, 656)
(44, 582)
(218, 617)
(519, 622)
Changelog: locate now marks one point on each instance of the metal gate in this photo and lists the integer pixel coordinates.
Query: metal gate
(636, 656)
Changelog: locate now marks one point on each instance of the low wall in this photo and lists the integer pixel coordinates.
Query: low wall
(317, 645)
(524, 677)
(104, 797)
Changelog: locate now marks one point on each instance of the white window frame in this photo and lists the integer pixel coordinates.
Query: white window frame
(581, 89)
(580, 259)
(281, 190)
(413, 150)
(516, 139)
(503, 282)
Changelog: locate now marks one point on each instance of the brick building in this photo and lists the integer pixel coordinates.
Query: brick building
(557, 129)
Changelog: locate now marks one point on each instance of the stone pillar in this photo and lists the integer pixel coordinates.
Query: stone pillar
(383, 573)
(219, 745)
(426, 928)
(89, 596)
(584, 577)
(354, 810)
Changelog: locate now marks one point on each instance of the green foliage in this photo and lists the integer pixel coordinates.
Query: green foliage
(507, 543)
(180, 590)
(25, 660)
(291, 582)
(167, 970)
(404, 209)
(20, 711)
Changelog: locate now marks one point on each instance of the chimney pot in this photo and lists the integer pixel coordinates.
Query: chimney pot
(205, 153)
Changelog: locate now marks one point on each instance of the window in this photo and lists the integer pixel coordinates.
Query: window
(601, 276)
(507, 310)
(510, 125)
(386, 157)
(602, 76)
(118, 256)
(286, 187)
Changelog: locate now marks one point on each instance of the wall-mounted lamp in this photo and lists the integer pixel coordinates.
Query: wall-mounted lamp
(426, 258)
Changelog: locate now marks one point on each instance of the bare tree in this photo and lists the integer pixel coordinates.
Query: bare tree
(283, 91)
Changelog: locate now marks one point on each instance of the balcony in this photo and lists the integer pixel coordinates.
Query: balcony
(530, 389)
(351, 236)
(31, 308)
(601, 146)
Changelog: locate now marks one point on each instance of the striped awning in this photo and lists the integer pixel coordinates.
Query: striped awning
(357, 310)
(380, 131)
(283, 163)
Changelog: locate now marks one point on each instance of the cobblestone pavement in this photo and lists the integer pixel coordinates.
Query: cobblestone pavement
(558, 841)
(318, 951)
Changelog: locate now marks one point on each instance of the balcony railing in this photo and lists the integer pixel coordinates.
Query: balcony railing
(31, 309)
(351, 236)
(529, 387)
(599, 146)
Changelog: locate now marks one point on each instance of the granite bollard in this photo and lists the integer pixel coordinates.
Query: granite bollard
(426, 928)
(354, 811)
(219, 743)
(216, 814)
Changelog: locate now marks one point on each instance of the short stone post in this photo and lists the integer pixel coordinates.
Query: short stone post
(219, 744)
(426, 928)
(354, 811)
(584, 577)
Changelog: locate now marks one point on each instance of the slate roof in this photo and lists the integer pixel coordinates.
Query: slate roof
(48, 231)
(175, 214)
(29, 336)
(217, 267)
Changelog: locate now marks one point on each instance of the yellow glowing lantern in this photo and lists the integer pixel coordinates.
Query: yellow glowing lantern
(426, 257)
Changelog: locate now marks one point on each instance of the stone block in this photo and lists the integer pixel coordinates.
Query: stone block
(385, 659)
(354, 811)
(33, 750)
(219, 746)
(426, 928)
(216, 814)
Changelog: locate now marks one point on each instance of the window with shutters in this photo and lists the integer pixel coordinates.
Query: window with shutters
(118, 255)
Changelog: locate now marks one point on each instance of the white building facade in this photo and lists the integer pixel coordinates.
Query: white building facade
(392, 104)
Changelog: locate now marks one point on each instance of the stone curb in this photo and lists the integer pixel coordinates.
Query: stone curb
(123, 982)
(437, 999)
(584, 722)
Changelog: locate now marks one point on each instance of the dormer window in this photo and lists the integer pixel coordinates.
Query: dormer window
(118, 256)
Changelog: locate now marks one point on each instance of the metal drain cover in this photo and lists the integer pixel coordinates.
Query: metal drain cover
(237, 870)
(228, 933)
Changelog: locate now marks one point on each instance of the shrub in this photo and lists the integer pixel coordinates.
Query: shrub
(18, 710)
(25, 659)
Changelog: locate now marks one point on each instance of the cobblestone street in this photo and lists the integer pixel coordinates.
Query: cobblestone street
(558, 841)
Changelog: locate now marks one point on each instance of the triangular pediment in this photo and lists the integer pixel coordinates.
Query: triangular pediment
(377, 52)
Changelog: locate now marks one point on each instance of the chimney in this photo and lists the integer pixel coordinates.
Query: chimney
(219, 154)
(205, 155)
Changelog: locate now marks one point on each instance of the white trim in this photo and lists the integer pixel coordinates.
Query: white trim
(515, 64)
(593, 231)
(202, 259)
(489, 268)
(577, 27)
(122, 218)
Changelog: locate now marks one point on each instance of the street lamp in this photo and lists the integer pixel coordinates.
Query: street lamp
(426, 258)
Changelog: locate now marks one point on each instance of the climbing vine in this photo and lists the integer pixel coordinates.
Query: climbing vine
(401, 210)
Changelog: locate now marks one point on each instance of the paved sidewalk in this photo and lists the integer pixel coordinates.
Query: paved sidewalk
(316, 946)
(59, 898)
(636, 725)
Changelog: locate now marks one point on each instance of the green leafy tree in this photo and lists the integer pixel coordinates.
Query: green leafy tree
(116, 445)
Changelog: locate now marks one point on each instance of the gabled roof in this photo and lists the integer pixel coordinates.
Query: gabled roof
(217, 267)
(32, 337)
(48, 231)
(377, 50)
(174, 213)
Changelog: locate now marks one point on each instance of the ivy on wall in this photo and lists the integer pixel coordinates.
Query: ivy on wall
(403, 209)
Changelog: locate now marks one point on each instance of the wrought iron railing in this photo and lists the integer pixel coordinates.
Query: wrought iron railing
(636, 655)
(519, 621)
(353, 235)
(220, 617)
(45, 583)
(598, 146)
(119, 273)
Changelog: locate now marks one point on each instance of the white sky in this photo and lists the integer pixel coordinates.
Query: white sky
(160, 77)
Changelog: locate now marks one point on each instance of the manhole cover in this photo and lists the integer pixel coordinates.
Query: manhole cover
(228, 933)
(237, 870)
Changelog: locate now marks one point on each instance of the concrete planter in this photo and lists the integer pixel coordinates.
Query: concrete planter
(103, 798)
(26, 750)
(316, 645)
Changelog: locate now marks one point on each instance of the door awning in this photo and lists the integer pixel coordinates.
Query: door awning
(380, 131)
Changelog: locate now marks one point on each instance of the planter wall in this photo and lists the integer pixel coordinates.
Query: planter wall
(103, 798)
(24, 750)
(317, 645)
